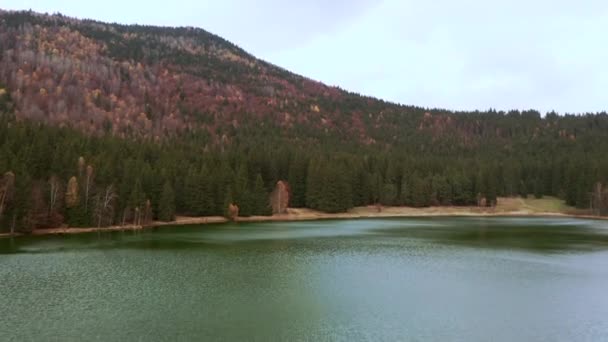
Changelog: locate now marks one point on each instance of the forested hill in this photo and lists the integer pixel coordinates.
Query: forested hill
(148, 81)
(145, 81)
(103, 122)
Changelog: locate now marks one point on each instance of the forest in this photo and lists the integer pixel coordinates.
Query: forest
(107, 124)
(56, 176)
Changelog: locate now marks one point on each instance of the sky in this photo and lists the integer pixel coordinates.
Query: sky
(461, 55)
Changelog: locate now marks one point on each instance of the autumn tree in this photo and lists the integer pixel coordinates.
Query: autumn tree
(279, 197)
(71, 196)
(77, 216)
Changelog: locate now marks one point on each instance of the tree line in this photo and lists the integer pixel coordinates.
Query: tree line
(52, 176)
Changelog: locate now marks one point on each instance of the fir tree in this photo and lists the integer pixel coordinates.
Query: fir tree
(260, 198)
(166, 204)
(538, 188)
(297, 181)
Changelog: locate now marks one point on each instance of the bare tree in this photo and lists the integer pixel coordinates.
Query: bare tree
(147, 214)
(7, 189)
(36, 215)
(81, 164)
(87, 186)
(104, 208)
(125, 213)
(136, 217)
(54, 192)
(599, 199)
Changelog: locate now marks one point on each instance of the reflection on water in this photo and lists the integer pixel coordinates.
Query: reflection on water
(515, 233)
(470, 279)
(533, 234)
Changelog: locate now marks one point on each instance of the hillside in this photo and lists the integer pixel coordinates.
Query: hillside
(152, 82)
(149, 81)
(107, 123)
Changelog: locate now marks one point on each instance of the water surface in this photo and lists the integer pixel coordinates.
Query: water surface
(457, 279)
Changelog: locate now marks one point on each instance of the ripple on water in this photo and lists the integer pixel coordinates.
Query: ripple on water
(428, 279)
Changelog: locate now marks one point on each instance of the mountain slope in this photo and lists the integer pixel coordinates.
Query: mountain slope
(153, 82)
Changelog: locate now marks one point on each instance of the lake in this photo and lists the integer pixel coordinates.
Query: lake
(426, 279)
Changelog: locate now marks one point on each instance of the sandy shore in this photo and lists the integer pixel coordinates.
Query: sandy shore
(506, 207)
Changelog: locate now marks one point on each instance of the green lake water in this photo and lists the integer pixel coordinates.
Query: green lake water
(426, 279)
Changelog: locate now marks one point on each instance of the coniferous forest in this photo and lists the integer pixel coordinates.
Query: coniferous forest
(104, 124)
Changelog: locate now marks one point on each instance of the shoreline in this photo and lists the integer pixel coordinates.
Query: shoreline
(508, 208)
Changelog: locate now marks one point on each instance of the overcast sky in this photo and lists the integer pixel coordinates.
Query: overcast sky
(466, 54)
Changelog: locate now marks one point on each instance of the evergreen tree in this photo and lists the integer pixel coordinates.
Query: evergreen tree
(538, 188)
(297, 181)
(490, 188)
(242, 194)
(361, 187)
(205, 196)
(167, 203)
(314, 185)
(388, 196)
(335, 194)
(571, 190)
(443, 190)
(406, 193)
(260, 198)
(583, 194)
(523, 189)
(420, 191)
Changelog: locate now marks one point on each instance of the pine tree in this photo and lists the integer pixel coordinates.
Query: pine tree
(260, 198)
(420, 191)
(538, 188)
(523, 189)
(583, 194)
(376, 187)
(406, 190)
(393, 176)
(331, 192)
(571, 191)
(360, 187)
(242, 194)
(490, 188)
(206, 197)
(297, 181)
(388, 196)
(314, 185)
(191, 192)
(443, 190)
(166, 204)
